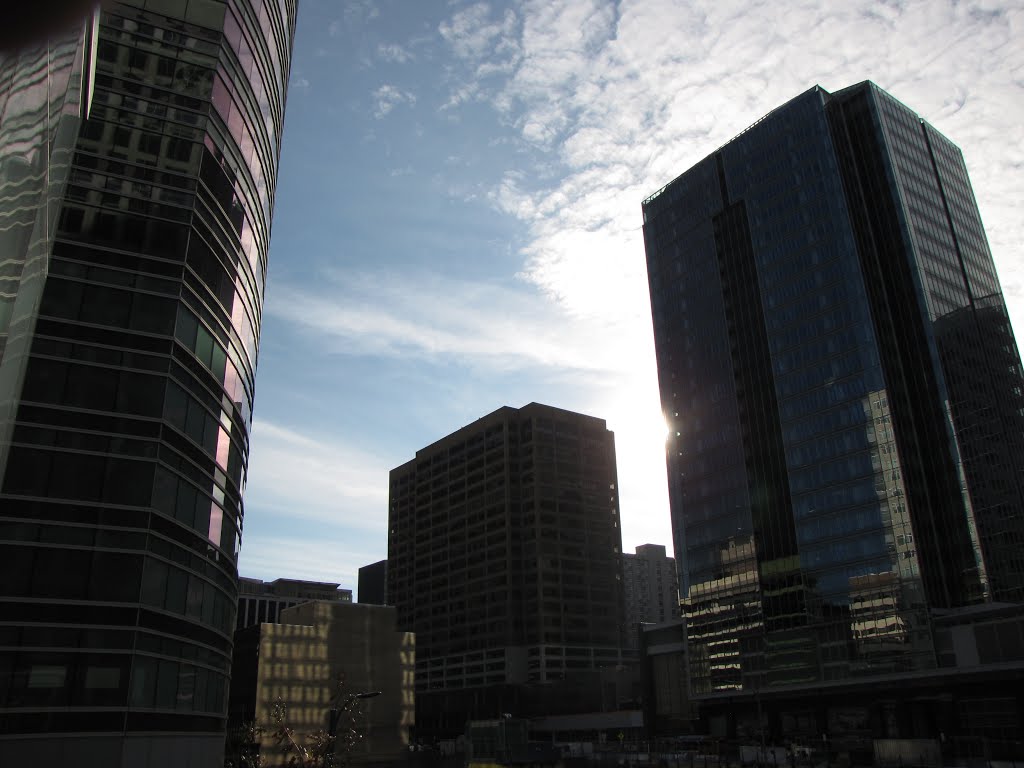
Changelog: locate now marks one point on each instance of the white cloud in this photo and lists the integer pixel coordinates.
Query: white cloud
(304, 476)
(394, 53)
(331, 556)
(473, 34)
(627, 102)
(387, 97)
(605, 362)
(433, 317)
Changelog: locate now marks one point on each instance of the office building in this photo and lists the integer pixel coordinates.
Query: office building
(846, 406)
(650, 587)
(299, 660)
(134, 264)
(261, 602)
(504, 558)
(373, 583)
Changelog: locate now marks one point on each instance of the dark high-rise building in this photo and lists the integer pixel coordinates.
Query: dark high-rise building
(504, 556)
(650, 588)
(373, 583)
(135, 246)
(844, 393)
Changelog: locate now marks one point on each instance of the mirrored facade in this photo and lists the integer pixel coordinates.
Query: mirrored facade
(844, 394)
(121, 505)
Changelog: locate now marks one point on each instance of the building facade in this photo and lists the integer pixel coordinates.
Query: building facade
(844, 392)
(504, 554)
(299, 661)
(667, 709)
(650, 588)
(126, 381)
(261, 601)
(373, 580)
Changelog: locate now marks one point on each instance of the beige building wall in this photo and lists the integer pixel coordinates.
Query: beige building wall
(300, 659)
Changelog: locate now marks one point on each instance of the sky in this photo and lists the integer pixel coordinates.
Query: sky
(458, 222)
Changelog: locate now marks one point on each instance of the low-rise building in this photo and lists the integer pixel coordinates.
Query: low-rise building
(298, 661)
(667, 707)
(262, 601)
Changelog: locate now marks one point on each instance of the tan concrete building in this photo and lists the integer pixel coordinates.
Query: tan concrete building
(298, 661)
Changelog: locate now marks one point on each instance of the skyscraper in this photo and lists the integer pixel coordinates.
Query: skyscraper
(504, 557)
(130, 313)
(844, 392)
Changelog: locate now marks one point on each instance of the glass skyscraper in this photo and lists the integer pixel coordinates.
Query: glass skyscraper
(844, 392)
(137, 176)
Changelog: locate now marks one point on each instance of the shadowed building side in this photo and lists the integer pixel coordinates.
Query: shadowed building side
(504, 558)
(135, 325)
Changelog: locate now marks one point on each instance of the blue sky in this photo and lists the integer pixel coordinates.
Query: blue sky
(458, 220)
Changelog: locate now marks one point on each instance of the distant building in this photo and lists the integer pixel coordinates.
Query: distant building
(846, 460)
(651, 588)
(299, 660)
(503, 558)
(262, 601)
(373, 583)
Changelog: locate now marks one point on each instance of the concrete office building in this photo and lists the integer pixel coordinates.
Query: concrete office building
(650, 587)
(298, 661)
(135, 207)
(504, 558)
(847, 418)
(262, 602)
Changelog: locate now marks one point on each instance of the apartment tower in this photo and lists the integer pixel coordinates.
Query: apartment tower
(504, 557)
(136, 219)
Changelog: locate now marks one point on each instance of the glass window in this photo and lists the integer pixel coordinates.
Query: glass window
(102, 681)
(152, 314)
(154, 584)
(45, 380)
(194, 604)
(140, 394)
(204, 346)
(77, 476)
(195, 423)
(115, 577)
(167, 685)
(51, 569)
(16, 569)
(61, 298)
(165, 487)
(177, 590)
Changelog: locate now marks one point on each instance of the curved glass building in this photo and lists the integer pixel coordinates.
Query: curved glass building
(136, 189)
